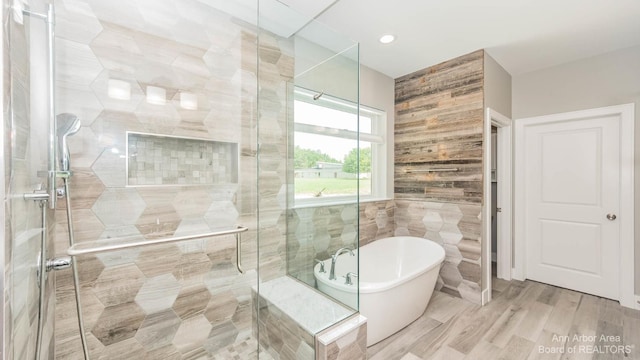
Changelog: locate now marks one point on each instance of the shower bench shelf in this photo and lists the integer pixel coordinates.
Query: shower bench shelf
(117, 244)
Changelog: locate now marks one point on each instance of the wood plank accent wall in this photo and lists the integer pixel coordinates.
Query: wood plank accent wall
(438, 124)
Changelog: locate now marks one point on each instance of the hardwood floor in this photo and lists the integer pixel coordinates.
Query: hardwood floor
(526, 320)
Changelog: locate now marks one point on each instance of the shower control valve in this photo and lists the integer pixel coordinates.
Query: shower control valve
(59, 263)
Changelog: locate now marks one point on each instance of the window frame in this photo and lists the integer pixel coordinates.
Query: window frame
(377, 138)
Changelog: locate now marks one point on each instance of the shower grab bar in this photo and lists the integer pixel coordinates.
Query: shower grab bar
(79, 250)
(432, 170)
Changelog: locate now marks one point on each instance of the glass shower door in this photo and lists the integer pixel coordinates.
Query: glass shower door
(28, 223)
(165, 92)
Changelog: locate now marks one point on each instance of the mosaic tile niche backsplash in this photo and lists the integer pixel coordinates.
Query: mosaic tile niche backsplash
(163, 160)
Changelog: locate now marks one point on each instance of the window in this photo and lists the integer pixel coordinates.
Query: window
(326, 150)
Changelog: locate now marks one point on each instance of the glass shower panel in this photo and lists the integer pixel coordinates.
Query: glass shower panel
(326, 78)
(165, 92)
(298, 55)
(25, 159)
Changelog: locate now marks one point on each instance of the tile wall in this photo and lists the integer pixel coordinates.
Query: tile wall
(345, 341)
(377, 221)
(318, 232)
(162, 160)
(454, 226)
(286, 329)
(276, 63)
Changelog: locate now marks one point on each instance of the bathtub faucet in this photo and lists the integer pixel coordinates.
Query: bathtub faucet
(334, 258)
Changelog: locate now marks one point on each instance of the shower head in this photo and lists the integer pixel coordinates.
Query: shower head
(67, 124)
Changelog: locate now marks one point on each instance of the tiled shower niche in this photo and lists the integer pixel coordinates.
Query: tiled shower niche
(157, 160)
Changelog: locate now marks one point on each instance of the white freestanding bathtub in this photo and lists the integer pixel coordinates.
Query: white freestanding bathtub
(397, 277)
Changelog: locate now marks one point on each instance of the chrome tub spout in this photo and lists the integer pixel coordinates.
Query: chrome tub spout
(334, 258)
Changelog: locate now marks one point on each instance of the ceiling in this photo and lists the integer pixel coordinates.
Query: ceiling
(522, 35)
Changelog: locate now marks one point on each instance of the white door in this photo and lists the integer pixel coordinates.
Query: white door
(572, 203)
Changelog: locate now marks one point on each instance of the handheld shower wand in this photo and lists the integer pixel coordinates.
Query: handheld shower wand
(67, 125)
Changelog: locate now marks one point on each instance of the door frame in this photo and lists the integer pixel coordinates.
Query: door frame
(504, 141)
(626, 115)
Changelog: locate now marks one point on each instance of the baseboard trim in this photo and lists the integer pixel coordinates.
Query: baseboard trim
(516, 275)
(485, 297)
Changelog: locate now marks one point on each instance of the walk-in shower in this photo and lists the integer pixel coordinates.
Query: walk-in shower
(166, 138)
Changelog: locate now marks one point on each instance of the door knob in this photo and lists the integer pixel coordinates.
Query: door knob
(611, 217)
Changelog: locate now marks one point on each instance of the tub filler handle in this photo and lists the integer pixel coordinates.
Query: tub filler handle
(347, 278)
(322, 270)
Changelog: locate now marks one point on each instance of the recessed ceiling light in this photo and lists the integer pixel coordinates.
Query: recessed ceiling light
(386, 39)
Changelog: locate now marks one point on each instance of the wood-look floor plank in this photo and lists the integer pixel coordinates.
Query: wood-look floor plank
(531, 326)
(443, 307)
(583, 330)
(410, 356)
(447, 353)
(561, 317)
(499, 285)
(427, 345)
(610, 311)
(631, 330)
(504, 328)
(608, 335)
(585, 320)
(550, 295)
(631, 313)
(512, 291)
(529, 294)
(517, 349)
(475, 329)
(526, 320)
(484, 350)
(398, 344)
(631, 334)
(548, 347)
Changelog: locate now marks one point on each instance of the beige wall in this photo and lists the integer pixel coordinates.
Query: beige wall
(604, 80)
(377, 91)
(497, 86)
(497, 96)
